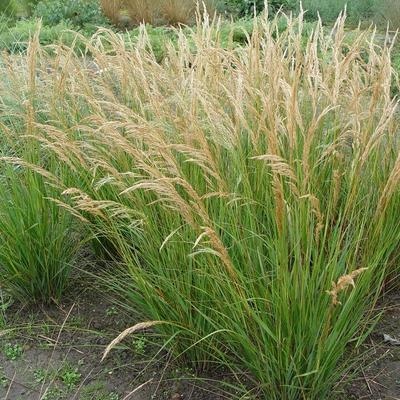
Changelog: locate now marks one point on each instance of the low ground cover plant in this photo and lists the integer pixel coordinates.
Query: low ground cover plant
(250, 194)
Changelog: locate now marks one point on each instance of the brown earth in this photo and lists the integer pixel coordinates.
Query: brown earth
(54, 353)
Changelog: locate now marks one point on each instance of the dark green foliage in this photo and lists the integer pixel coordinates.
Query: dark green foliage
(249, 7)
(78, 13)
(246, 7)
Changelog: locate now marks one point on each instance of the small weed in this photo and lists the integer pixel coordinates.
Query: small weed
(76, 321)
(43, 345)
(98, 391)
(46, 329)
(53, 394)
(39, 375)
(3, 379)
(13, 352)
(111, 311)
(139, 345)
(70, 377)
(5, 303)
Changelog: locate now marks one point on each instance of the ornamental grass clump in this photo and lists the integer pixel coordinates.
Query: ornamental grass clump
(251, 193)
(38, 241)
(112, 10)
(170, 12)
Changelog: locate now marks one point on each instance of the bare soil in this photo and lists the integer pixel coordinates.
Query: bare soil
(378, 375)
(54, 353)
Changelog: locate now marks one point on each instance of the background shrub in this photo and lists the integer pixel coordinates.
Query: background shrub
(78, 13)
(22, 8)
(248, 7)
(388, 12)
(330, 9)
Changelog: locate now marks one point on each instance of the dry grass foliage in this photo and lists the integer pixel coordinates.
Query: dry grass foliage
(343, 283)
(129, 331)
(171, 12)
(112, 10)
(142, 11)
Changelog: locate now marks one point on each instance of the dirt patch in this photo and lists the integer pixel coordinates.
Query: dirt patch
(54, 353)
(378, 377)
